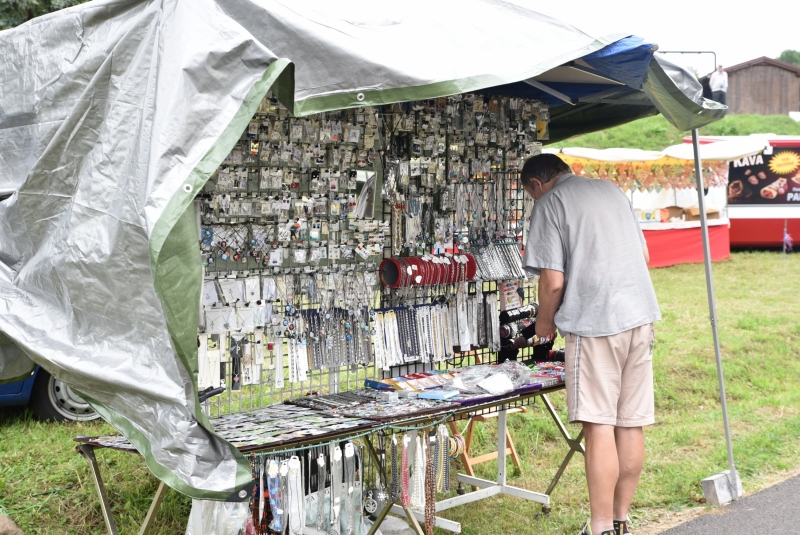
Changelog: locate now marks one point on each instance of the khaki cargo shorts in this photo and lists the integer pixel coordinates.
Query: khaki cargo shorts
(609, 379)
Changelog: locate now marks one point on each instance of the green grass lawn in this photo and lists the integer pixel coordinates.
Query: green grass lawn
(47, 487)
(655, 133)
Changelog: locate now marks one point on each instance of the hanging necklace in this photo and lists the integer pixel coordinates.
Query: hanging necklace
(405, 499)
(273, 486)
(395, 472)
(278, 347)
(430, 488)
(418, 476)
(380, 343)
(336, 488)
(382, 495)
(260, 490)
(321, 476)
(296, 497)
(443, 450)
(283, 495)
(349, 484)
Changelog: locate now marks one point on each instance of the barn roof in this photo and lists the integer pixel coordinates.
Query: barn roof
(763, 59)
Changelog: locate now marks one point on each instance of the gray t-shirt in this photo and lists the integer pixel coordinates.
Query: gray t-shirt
(586, 229)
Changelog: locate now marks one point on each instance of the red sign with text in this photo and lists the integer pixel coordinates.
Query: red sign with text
(771, 178)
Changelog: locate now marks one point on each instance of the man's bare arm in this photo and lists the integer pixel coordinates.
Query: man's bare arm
(551, 290)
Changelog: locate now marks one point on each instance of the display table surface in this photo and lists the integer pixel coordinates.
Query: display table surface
(681, 242)
(253, 422)
(356, 428)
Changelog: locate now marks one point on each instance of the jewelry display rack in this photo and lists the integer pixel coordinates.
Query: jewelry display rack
(263, 221)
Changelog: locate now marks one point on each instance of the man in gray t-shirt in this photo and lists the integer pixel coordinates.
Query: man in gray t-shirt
(591, 257)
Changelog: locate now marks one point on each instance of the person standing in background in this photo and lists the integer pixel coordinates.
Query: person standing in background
(718, 82)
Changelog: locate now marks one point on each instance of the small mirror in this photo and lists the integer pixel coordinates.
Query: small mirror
(365, 189)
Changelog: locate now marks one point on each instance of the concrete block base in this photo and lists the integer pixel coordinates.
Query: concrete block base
(717, 489)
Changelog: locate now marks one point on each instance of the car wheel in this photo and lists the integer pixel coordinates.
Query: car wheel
(53, 400)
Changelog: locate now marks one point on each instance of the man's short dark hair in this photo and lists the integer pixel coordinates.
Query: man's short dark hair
(545, 167)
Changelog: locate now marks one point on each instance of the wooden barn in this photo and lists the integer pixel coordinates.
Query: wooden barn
(762, 86)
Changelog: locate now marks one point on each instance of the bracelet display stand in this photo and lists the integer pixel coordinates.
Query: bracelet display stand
(467, 460)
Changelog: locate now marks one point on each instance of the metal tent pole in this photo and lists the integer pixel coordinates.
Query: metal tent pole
(712, 309)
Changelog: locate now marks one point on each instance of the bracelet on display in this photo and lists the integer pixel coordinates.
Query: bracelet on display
(499, 261)
(403, 272)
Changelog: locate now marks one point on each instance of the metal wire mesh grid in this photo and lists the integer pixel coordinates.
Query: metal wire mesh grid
(258, 389)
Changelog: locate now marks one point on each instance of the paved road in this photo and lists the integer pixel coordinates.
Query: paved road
(773, 511)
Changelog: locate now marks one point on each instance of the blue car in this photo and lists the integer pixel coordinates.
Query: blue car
(49, 398)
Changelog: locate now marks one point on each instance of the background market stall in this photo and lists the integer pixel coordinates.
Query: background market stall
(762, 192)
(661, 187)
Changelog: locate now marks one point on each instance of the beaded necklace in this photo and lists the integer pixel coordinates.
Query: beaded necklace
(405, 498)
(418, 485)
(395, 471)
(443, 458)
(430, 489)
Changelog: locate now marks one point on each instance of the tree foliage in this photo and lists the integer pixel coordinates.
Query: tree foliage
(15, 12)
(790, 56)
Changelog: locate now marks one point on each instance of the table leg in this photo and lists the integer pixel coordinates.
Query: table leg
(412, 521)
(573, 443)
(379, 519)
(151, 513)
(88, 453)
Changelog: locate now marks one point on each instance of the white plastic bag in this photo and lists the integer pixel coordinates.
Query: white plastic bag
(218, 518)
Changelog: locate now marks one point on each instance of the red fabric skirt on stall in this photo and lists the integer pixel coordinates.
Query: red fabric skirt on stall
(685, 245)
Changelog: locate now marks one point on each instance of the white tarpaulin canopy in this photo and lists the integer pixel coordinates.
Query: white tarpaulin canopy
(114, 114)
(722, 151)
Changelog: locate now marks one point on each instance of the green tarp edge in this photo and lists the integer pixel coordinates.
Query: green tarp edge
(177, 274)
